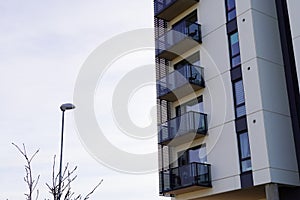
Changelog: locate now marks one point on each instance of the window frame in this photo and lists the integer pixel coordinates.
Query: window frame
(178, 110)
(243, 104)
(241, 158)
(230, 10)
(236, 55)
(185, 154)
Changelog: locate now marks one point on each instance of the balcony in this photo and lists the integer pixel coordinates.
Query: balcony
(181, 82)
(181, 38)
(182, 129)
(186, 178)
(169, 9)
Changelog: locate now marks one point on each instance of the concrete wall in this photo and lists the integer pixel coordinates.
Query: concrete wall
(269, 122)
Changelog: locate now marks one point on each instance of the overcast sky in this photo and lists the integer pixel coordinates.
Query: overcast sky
(43, 45)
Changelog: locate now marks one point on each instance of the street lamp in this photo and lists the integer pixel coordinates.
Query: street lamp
(63, 108)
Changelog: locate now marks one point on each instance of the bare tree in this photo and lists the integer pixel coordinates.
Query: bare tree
(68, 177)
(31, 183)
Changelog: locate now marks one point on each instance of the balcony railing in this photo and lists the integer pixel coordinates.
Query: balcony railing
(183, 129)
(186, 178)
(181, 38)
(181, 82)
(169, 9)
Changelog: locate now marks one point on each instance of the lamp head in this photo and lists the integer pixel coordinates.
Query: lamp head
(67, 106)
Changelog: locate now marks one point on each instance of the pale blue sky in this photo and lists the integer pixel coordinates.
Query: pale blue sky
(43, 45)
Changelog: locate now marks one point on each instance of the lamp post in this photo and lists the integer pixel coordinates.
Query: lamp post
(63, 108)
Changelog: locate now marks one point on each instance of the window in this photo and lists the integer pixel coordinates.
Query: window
(238, 88)
(239, 92)
(235, 49)
(245, 155)
(192, 18)
(189, 68)
(246, 165)
(198, 155)
(230, 4)
(236, 61)
(235, 46)
(186, 22)
(231, 15)
(244, 145)
(240, 111)
(195, 154)
(231, 11)
(191, 60)
(195, 105)
(240, 108)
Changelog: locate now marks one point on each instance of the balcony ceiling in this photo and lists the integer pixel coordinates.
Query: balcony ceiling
(175, 9)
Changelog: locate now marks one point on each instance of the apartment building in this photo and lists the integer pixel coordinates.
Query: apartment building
(227, 76)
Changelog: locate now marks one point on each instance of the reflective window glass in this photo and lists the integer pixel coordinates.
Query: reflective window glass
(246, 165)
(239, 92)
(231, 15)
(240, 111)
(236, 61)
(230, 4)
(198, 155)
(234, 42)
(244, 145)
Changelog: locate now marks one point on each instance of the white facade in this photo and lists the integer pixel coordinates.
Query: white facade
(269, 124)
(266, 96)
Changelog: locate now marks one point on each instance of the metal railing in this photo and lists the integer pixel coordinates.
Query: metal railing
(193, 174)
(190, 122)
(178, 33)
(189, 74)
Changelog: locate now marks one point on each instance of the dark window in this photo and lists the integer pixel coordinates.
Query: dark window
(191, 60)
(239, 92)
(187, 69)
(240, 111)
(231, 11)
(246, 165)
(236, 61)
(231, 15)
(195, 154)
(198, 154)
(230, 4)
(234, 49)
(235, 46)
(244, 145)
(183, 158)
(195, 105)
(190, 19)
(239, 96)
(245, 155)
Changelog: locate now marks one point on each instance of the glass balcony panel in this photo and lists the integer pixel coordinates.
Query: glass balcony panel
(164, 181)
(186, 175)
(190, 175)
(203, 174)
(183, 36)
(191, 122)
(188, 75)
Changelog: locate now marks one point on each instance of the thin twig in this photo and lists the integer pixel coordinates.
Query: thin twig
(89, 194)
(31, 183)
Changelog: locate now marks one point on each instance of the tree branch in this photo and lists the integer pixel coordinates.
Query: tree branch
(31, 183)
